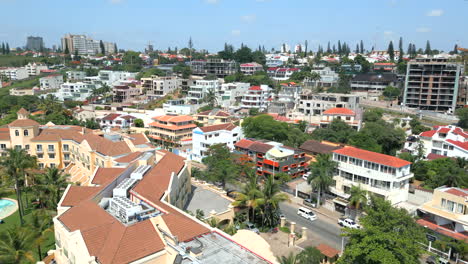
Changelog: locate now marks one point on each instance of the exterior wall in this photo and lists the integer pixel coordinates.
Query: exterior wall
(70, 246)
(22, 139)
(197, 92)
(48, 153)
(76, 75)
(21, 91)
(231, 93)
(51, 82)
(316, 104)
(157, 87)
(180, 188)
(203, 140)
(14, 73)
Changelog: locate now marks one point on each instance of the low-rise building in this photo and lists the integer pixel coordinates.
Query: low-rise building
(281, 74)
(51, 82)
(76, 76)
(379, 174)
(328, 78)
(206, 136)
(257, 97)
(272, 157)
(157, 87)
(316, 103)
(23, 91)
(213, 117)
(446, 213)
(172, 131)
(125, 93)
(35, 69)
(77, 91)
(347, 115)
(219, 67)
(114, 77)
(178, 107)
(384, 67)
(230, 94)
(14, 74)
(376, 82)
(199, 91)
(117, 121)
(286, 99)
(250, 68)
(449, 141)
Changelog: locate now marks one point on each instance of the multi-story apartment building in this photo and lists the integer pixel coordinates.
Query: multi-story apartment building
(448, 141)
(231, 93)
(13, 74)
(272, 157)
(198, 92)
(218, 67)
(75, 148)
(51, 82)
(385, 67)
(83, 45)
(34, 43)
(109, 47)
(348, 116)
(447, 213)
(433, 84)
(156, 87)
(373, 82)
(316, 103)
(131, 214)
(328, 78)
(281, 74)
(114, 77)
(382, 175)
(116, 121)
(206, 136)
(257, 97)
(250, 68)
(76, 76)
(125, 93)
(78, 91)
(34, 69)
(213, 117)
(178, 107)
(286, 99)
(172, 130)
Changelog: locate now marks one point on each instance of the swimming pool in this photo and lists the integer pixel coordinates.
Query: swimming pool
(7, 207)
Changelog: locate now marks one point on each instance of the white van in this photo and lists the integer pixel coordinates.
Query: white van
(306, 213)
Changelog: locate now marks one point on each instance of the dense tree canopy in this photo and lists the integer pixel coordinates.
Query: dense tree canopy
(462, 115)
(439, 172)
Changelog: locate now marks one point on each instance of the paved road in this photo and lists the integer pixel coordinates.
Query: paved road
(323, 230)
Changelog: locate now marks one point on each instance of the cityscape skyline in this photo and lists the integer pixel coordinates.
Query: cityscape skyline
(251, 22)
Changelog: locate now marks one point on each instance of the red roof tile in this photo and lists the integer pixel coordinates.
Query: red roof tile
(23, 123)
(463, 145)
(227, 126)
(444, 130)
(110, 117)
(129, 158)
(255, 88)
(372, 157)
(77, 194)
(106, 175)
(175, 119)
(442, 230)
(327, 250)
(433, 156)
(339, 111)
(457, 192)
(244, 143)
(428, 134)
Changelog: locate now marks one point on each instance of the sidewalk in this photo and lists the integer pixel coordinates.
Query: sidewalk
(322, 210)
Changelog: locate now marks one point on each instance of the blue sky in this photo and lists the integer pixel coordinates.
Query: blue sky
(211, 23)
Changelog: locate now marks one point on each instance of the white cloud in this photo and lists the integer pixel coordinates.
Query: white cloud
(435, 12)
(423, 29)
(212, 2)
(248, 18)
(235, 32)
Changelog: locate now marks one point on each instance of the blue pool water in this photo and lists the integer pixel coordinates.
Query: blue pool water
(6, 206)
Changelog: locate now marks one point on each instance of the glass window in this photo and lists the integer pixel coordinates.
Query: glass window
(460, 208)
(17, 133)
(26, 132)
(65, 147)
(2, 146)
(26, 147)
(39, 147)
(51, 156)
(443, 203)
(50, 147)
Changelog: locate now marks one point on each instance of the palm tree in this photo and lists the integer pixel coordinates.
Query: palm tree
(210, 98)
(272, 197)
(290, 259)
(358, 197)
(15, 245)
(41, 224)
(250, 196)
(310, 255)
(50, 186)
(50, 104)
(15, 163)
(321, 176)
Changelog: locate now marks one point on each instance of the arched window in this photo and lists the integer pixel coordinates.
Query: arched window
(17, 133)
(26, 132)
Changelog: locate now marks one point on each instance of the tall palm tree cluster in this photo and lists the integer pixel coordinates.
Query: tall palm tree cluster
(261, 202)
(42, 193)
(321, 174)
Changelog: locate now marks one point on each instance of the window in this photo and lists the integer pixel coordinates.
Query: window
(17, 133)
(41, 165)
(102, 163)
(18, 147)
(65, 147)
(40, 156)
(2, 146)
(50, 148)
(443, 203)
(460, 208)
(39, 148)
(26, 147)
(51, 156)
(66, 156)
(52, 165)
(26, 132)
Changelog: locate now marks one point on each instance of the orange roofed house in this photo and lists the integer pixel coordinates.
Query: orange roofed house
(172, 131)
(78, 150)
(130, 215)
(347, 115)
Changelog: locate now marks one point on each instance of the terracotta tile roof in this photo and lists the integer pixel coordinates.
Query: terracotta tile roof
(171, 118)
(222, 113)
(444, 130)
(278, 117)
(428, 134)
(106, 146)
(77, 194)
(327, 250)
(156, 181)
(442, 230)
(460, 132)
(463, 145)
(260, 147)
(244, 143)
(457, 192)
(4, 134)
(181, 226)
(313, 147)
(255, 88)
(129, 158)
(22, 111)
(227, 126)
(23, 123)
(172, 127)
(128, 117)
(339, 111)
(46, 137)
(104, 176)
(372, 157)
(138, 139)
(433, 156)
(110, 117)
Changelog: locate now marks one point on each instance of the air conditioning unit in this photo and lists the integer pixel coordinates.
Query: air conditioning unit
(139, 172)
(124, 186)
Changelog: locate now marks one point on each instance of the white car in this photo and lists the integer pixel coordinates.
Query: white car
(306, 176)
(347, 222)
(306, 213)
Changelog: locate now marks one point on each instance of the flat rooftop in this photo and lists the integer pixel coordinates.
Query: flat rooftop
(216, 249)
(199, 201)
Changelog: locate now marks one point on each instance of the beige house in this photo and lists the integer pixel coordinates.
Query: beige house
(447, 212)
(347, 115)
(213, 117)
(130, 214)
(172, 130)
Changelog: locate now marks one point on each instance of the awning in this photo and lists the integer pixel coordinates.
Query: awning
(338, 193)
(340, 201)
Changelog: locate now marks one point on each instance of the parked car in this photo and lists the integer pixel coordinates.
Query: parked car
(347, 222)
(310, 202)
(306, 175)
(251, 227)
(436, 260)
(306, 213)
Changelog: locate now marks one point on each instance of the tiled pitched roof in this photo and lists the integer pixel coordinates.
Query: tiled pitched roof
(129, 158)
(372, 157)
(458, 192)
(433, 156)
(106, 146)
(255, 88)
(313, 146)
(4, 134)
(463, 145)
(106, 175)
(138, 139)
(339, 111)
(23, 123)
(227, 126)
(244, 143)
(23, 111)
(171, 118)
(327, 250)
(110, 117)
(444, 130)
(46, 137)
(428, 134)
(260, 147)
(77, 194)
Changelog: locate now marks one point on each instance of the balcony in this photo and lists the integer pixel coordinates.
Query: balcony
(50, 150)
(39, 151)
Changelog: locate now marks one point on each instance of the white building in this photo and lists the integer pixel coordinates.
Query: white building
(14, 74)
(179, 107)
(449, 141)
(201, 88)
(250, 68)
(328, 78)
(78, 91)
(281, 74)
(109, 47)
(76, 75)
(382, 175)
(117, 121)
(34, 69)
(257, 97)
(231, 93)
(51, 82)
(156, 87)
(348, 116)
(204, 137)
(114, 77)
